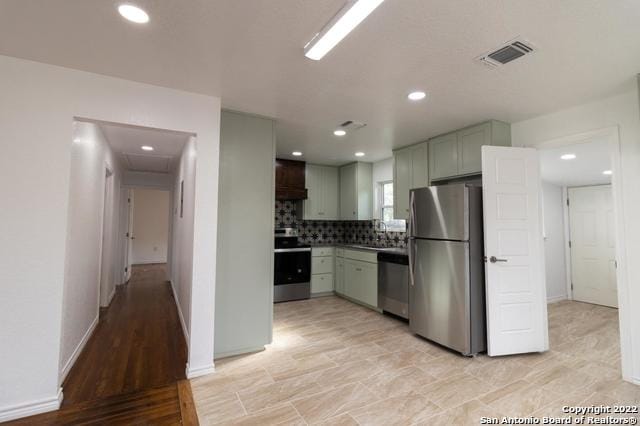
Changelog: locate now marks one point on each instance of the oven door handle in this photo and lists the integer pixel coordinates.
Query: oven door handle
(292, 250)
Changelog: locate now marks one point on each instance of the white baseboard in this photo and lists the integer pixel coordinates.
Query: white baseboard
(635, 380)
(31, 408)
(76, 353)
(199, 371)
(184, 324)
(556, 299)
(110, 298)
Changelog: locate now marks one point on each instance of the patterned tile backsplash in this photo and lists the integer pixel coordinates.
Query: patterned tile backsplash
(336, 231)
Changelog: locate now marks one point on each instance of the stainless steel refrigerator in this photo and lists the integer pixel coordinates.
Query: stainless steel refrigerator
(446, 267)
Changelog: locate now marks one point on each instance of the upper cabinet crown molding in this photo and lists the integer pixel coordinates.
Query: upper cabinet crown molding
(459, 153)
(356, 191)
(323, 193)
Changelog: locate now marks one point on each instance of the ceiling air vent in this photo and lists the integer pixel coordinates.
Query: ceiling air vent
(506, 53)
(352, 125)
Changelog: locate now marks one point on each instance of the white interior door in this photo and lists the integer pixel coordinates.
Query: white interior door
(593, 245)
(514, 271)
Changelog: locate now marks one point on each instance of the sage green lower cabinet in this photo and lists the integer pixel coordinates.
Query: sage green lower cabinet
(322, 263)
(356, 275)
(321, 283)
(361, 281)
(339, 274)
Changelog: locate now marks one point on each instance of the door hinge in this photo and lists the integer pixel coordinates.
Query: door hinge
(569, 243)
(128, 200)
(571, 286)
(126, 269)
(567, 201)
(127, 234)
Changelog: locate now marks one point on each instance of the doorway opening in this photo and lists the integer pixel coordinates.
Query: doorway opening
(123, 330)
(582, 230)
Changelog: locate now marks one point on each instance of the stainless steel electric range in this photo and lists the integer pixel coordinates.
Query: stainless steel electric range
(292, 270)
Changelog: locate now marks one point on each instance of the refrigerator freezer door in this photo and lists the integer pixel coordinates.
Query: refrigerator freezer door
(440, 212)
(439, 293)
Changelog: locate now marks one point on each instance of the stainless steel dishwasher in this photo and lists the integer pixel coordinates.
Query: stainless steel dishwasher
(393, 283)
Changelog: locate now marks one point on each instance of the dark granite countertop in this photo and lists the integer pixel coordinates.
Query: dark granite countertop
(396, 250)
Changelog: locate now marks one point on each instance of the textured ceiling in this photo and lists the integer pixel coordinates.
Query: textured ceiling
(592, 158)
(126, 142)
(250, 54)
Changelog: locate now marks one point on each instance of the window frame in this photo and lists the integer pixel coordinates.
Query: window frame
(394, 225)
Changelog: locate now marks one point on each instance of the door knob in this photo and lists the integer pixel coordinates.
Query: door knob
(494, 259)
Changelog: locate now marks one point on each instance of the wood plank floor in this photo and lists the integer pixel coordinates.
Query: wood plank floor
(132, 370)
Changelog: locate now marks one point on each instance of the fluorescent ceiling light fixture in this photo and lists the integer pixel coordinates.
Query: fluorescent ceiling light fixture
(416, 96)
(146, 148)
(133, 13)
(296, 153)
(354, 12)
(359, 154)
(339, 132)
(568, 157)
(607, 172)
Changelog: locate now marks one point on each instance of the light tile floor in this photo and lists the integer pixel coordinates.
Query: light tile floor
(336, 363)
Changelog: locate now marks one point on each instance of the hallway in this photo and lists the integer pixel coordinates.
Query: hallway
(135, 358)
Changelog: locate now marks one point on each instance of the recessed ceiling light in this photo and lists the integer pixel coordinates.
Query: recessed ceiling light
(607, 172)
(133, 13)
(296, 153)
(339, 27)
(416, 96)
(147, 148)
(359, 154)
(568, 156)
(339, 132)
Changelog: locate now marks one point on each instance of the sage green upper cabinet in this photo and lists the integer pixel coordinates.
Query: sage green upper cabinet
(322, 193)
(410, 170)
(401, 182)
(460, 153)
(470, 142)
(443, 156)
(356, 201)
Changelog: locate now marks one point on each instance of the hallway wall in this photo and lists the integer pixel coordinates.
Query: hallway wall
(181, 251)
(38, 105)
(90, 155)
(623, 112)
(150, 226)
(554, 242)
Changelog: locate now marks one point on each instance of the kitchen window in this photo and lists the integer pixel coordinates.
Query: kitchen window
(385, 209)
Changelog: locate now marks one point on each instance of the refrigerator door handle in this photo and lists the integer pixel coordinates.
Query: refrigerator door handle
(412, 242)
(412, 262)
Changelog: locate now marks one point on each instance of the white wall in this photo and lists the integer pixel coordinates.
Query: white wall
(554, 242)
(382, 171)
(37, 109)
(182, 233)
(90, 157)
(150, 226)
(147, 180)
(621, 111)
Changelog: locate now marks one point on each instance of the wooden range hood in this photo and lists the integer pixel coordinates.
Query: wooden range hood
(290, 183)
